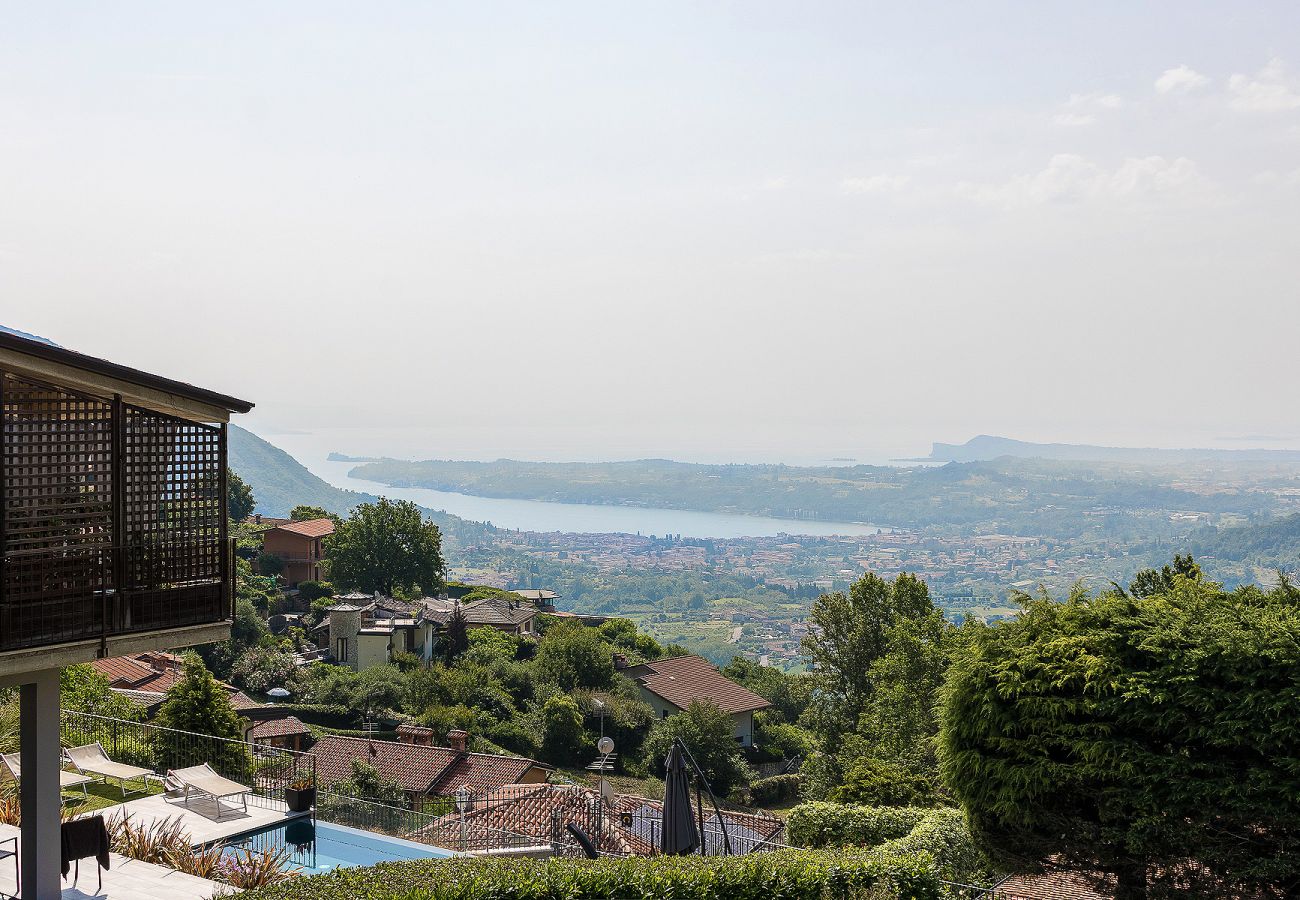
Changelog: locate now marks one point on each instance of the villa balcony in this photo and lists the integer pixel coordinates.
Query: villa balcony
(72, 594)
(112, 508)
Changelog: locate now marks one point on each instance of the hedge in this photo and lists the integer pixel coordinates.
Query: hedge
(778, 875)
(902, 831)
(821, 824)
(775, 789)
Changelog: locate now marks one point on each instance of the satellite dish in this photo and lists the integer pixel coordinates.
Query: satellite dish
(605, 745)
(607, 792)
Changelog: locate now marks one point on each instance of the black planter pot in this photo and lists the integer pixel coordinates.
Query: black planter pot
(300, 799)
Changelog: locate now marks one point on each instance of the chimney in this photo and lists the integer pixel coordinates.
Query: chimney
(620, 661)
(416, 735)
(458, 738)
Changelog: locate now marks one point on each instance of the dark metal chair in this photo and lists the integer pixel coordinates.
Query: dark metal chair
(18, 875)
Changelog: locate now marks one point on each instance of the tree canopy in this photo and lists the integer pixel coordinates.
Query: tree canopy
(849, 632)
(387, 546)
(710, 735)
(1144, 734)
(239, 497)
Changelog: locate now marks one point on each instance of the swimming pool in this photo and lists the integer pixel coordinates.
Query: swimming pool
(317, 847)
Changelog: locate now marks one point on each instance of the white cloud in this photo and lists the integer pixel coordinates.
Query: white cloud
(1070, 178)
(1074, 120)
(1180, 80)
(776, 183)
(1269, 90)
(875, 184)
(1081, 109)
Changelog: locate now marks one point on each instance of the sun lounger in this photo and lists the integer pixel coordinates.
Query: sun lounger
(204, 781)
(11, 767)
(92, 760)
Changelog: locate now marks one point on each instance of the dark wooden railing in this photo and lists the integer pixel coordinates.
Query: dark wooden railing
(70, 594)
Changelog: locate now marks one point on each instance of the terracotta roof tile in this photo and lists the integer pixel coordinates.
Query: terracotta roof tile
(420, 769)
(286, 727)
(628, 828)
(682, 679)
(140, 676)
(1050, 886)
(312, 528)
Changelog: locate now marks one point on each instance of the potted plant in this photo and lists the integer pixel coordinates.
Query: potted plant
(300, 794)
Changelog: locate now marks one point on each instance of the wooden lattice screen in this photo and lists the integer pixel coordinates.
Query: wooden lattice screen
(58, 511)
(112, 517)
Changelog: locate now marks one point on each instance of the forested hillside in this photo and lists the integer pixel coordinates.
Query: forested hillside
(280, 483)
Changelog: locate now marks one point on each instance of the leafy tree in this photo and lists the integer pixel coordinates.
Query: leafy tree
(259, 669)
(1150, 581)
(304, 513)
(574, 656)
(366, 783)
(877, 782)
(198, 704)
(239, 497)
(488, 645)
(83, 689)
(1135, 735)
(386, 546)
(637, 645)
(564, 741)
(455, 637)
(269, 563)
(849, 632)
(788, 693)
(900, 719)
(710, 735)
(311, 591)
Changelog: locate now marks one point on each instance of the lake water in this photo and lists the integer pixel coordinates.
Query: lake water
(536, 515)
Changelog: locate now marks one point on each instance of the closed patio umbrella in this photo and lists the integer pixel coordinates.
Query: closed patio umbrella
(678, 834)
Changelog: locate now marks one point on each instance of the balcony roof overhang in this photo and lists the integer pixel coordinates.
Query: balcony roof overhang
(103, 378)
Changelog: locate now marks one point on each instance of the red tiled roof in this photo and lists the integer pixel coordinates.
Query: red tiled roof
(1050, 886)
(420, 769)
(528, 810)
(123, 671)
(312, 528)
(286, 727)
(482, 772)
(488, 611)
(142, 674)
(682, 679)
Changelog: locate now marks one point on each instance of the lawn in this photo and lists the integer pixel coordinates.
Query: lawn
(102, 796)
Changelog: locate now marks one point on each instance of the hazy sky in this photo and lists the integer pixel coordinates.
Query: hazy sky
(670, 229)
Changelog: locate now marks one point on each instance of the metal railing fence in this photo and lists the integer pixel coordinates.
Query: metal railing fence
(267, 770)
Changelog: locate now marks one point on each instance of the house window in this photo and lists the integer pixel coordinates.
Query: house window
(341, 653)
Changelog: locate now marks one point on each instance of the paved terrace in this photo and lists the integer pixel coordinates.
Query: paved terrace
(126, 879)
(200, 818)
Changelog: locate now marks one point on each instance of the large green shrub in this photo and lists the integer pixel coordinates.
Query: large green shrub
(1130, 733)
(775, 789)
(764, 876)
(894, 831)
(820, 824)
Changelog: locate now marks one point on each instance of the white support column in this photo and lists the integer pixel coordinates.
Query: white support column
(428, 642)
(39, 788)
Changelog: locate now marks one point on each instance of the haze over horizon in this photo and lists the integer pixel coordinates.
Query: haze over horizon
(748, 231)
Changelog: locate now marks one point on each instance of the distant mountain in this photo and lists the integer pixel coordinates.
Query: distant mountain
(31, 337)
(280, 482)
(986, 447)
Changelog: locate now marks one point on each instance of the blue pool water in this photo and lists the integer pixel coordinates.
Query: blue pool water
(317, 847)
